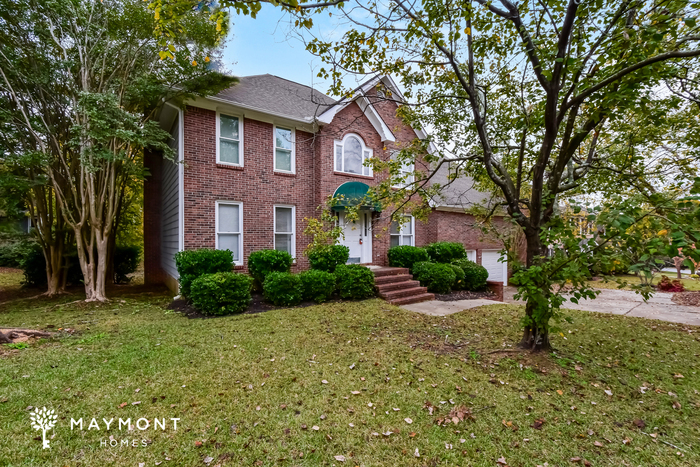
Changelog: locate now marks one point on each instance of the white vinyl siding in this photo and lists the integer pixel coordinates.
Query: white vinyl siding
(403, 234)
(284, 229)
(229, 229)
(229, 139)
(170, 206)
(350, 154)
(284, 150)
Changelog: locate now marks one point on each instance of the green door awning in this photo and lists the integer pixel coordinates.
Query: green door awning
(353, 194)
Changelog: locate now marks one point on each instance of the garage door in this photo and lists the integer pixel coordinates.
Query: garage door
(471, 255)
(496, 269)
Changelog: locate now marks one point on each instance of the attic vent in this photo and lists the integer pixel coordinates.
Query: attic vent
(380, 93)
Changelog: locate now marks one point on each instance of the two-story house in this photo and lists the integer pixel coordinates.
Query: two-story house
(258, 158)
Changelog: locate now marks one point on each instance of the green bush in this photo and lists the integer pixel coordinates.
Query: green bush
(437, 277)
(318, 285)
(355, 282)
(263, 262)
(11, 254)
(406, 256)
(475, 275)
(33, 265)
(459, 277)
(126, 260)
(328, 258)
(445, 252)
(221, 293)
(194, 263)
(283, 288)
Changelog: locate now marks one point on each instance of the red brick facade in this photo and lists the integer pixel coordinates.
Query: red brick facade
(259, 187)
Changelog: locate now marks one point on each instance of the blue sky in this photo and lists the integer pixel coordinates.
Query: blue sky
(268, 45)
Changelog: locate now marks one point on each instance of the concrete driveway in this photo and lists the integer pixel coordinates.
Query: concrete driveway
(617, 302)
(628, 303)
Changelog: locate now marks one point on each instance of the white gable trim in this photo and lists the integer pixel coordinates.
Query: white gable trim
(377, 122)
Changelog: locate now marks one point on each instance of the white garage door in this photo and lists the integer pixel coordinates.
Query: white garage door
(471, 255)
(496, 269)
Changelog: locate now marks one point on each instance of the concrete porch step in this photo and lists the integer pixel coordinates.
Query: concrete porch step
(413, 299)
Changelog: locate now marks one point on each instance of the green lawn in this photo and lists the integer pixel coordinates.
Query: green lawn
(689, 284)
(250, 389)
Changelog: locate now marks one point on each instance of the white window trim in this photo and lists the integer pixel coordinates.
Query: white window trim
(364, 148)
(294, 149)
(403, 171)
(294, 227)
(401, 226)
(240, 223)
(240, 138)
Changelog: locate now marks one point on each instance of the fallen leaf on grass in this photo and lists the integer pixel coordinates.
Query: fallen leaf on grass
(355, 392)
(122, 405)
(198, 444)
(417, 454)
(677, 405)
(208, 459)
(576, 459)
(639, 423)
(339, 458)
(456, 415)
(537, 425)
(408, 420)
(501, 461)
(598, 444)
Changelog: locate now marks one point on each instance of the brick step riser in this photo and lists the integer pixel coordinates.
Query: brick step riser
(403, 293)
(390, 272)
(414, 299)
(391, 279)
(397, 286)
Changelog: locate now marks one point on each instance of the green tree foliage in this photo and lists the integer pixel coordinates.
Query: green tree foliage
(532, 100)
(81, 85)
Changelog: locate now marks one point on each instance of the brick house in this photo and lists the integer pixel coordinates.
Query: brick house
(259, 157)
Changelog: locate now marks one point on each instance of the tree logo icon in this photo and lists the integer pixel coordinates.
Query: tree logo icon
(43, 420)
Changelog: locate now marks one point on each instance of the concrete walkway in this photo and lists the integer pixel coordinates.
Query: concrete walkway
(629, 303)
(617, 302)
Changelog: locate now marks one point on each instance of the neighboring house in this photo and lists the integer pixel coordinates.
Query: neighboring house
(258, 158)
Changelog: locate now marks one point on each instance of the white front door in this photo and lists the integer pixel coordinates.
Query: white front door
(358, 237)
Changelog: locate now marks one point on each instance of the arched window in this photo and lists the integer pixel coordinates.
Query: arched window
(351, 154)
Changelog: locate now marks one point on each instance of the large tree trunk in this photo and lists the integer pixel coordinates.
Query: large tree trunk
(536, 333)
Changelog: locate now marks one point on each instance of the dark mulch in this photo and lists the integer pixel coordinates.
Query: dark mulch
(465, 295)
(687, 298)
(257, 305)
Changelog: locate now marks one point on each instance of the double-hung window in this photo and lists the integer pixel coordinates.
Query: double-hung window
(351, 155)
(406, 172)
(229, 227)
(284, 229)
(403, 233)
(284, 149)
(229, 132)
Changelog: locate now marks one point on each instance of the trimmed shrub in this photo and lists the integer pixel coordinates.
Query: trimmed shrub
(445, 252)
(283, 288)
(406, 256)
(437, 277)
(459, 277)
(475, 275)
(194, 263)
(318, 285)
(328, 257)
(126, 260)
(221, 293)
(263, 262)
(355, 282)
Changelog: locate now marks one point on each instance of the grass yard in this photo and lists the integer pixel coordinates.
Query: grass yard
(298, 387)
(689, 284)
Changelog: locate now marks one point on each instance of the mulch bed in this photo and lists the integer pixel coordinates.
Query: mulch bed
(465, 295)
(10, 271)
(257, 305)
(687, 298)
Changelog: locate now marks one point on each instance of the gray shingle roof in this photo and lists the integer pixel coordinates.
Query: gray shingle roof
(278, 96)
